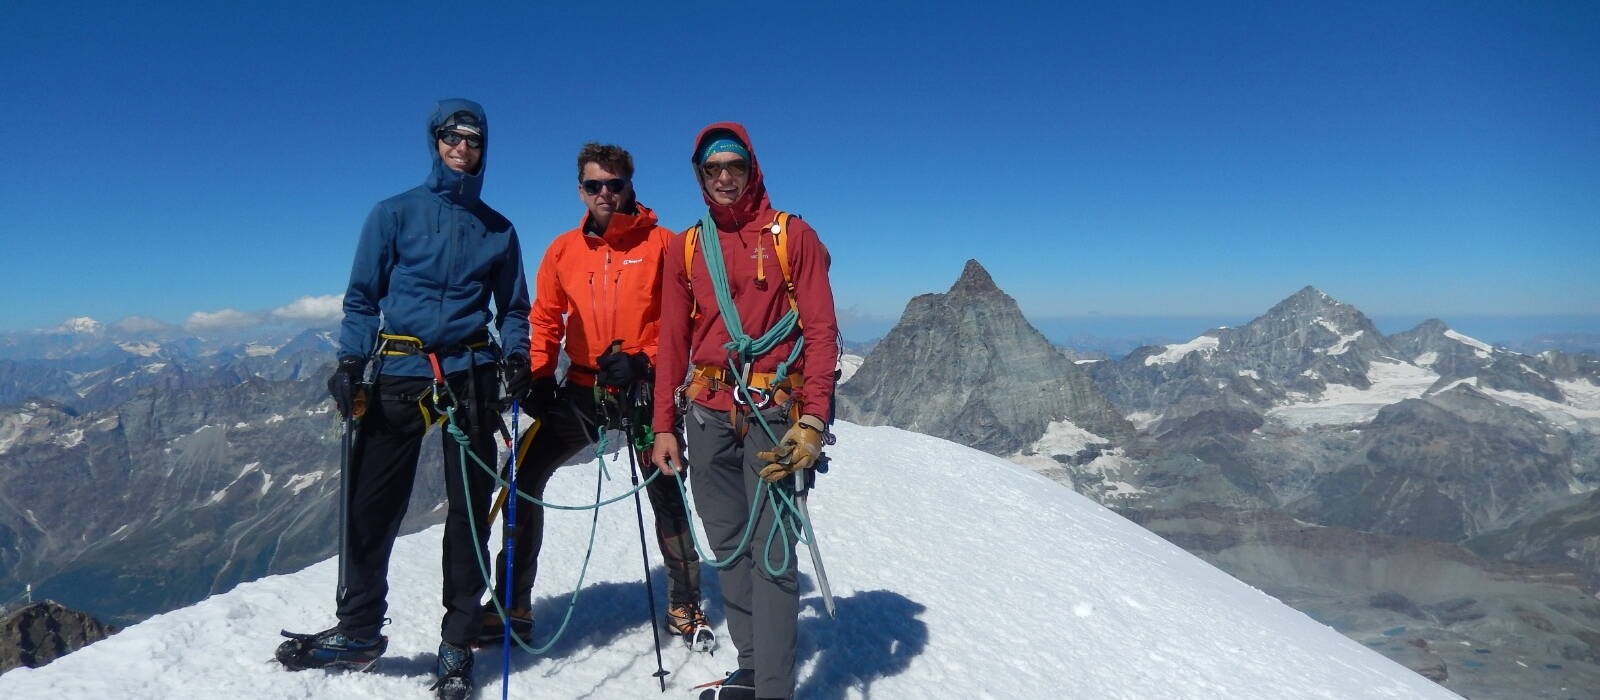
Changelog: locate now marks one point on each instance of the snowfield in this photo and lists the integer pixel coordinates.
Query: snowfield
(1342, 404)
(957, 575)
(1205, 345)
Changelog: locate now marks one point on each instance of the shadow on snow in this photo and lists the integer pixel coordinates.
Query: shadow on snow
(876, 634)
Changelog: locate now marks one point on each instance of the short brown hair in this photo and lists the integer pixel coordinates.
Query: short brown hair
(612, 158)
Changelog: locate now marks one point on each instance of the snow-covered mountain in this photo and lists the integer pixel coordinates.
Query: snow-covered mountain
(961, 576)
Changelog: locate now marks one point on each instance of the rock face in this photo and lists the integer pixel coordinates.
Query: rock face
(1446, 467)
(967, 366)
(37, 634)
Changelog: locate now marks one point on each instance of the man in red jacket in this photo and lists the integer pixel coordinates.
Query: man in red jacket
(599, 286)
(733, 455)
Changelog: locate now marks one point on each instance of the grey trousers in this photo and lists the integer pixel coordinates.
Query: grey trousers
(761, 608)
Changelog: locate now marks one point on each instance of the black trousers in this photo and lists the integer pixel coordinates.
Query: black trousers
(385, 465)
(568, 428)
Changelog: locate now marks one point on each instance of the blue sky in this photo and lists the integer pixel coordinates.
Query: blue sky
(1114, 160)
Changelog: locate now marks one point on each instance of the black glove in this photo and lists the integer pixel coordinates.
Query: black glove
(621, 369)
(344, 383)
(543, 395)
(519, 377)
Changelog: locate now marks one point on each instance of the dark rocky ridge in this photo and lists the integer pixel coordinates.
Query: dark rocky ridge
(966, 366)
(37, 634)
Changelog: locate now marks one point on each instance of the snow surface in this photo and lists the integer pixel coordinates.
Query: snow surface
(1580, 412)
(1019, 588)
(1205, 344)
(847, 366)
(1427, 359)
(1480, 348)
(1342, 404)
(1343, 345)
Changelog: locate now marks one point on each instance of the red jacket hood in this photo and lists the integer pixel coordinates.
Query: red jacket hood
(753, 202)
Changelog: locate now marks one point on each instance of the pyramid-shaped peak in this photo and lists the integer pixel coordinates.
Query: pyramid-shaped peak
(1308, 300)
(974, 280)
(1309, 293)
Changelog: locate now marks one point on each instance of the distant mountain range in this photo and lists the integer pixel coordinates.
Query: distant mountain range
(1419, 491)
(144, 470)
(1415, 490)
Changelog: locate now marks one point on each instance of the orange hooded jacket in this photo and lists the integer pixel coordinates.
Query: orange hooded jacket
(597, 289)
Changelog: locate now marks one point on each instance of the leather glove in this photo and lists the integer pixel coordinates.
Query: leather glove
(518, 373)
(344, 383)
(621, 369)
(798, 449)
(543, 394)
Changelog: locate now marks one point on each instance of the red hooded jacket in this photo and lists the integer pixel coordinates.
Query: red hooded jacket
(741, 228)
(596, 289)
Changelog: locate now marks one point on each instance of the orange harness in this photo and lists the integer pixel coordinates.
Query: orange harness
(763, 393)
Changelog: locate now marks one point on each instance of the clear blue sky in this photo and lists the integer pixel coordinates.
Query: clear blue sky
(1121, 159)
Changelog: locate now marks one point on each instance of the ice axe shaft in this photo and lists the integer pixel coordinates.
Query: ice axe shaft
(802, 492)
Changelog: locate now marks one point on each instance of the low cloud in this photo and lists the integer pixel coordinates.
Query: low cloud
(312, 310)
(223, 320)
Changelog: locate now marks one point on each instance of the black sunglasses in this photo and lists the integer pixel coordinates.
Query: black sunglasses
(616, 185)
(451, 137)
(713, 169)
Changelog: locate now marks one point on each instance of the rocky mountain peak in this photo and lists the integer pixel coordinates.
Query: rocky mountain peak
(1308, 301)
(967, 366)
(1432, 326)
(39, 633)
(974, 280)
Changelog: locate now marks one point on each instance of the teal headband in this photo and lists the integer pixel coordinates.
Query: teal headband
(725, 144)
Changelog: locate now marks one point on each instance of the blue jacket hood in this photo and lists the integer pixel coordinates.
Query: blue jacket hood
(462, 188)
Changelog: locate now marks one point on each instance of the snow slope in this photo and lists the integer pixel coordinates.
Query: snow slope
(957, 574)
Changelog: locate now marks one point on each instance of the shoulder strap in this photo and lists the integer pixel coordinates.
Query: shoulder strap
(780, 244)
(689, 238)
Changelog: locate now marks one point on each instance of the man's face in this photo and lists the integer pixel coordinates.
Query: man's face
(462, 157)
(724, 177)
(602, 191)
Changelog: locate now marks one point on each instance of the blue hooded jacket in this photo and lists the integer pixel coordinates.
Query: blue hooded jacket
(429, 260)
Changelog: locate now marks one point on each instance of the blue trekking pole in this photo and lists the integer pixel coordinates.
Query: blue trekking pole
(510, 545)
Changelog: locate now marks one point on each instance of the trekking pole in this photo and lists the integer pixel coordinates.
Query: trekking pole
(509, 544)
(358, 406)
(644, 553)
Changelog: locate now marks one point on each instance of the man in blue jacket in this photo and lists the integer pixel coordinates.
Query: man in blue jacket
(429, 262)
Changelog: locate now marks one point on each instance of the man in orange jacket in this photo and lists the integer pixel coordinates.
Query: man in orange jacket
(599, 286)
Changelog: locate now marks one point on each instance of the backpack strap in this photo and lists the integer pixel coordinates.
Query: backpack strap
(780, 244)
(689, 238)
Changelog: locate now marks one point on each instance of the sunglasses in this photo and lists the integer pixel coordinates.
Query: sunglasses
(616, 185)
(451, 138)
(713, 169)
